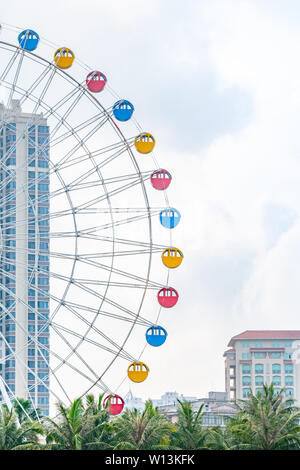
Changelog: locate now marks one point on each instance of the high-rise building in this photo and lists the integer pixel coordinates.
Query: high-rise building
(257, 357)
(24, 263)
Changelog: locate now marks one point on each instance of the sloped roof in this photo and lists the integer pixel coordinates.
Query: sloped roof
(266, 334)
(229, 351)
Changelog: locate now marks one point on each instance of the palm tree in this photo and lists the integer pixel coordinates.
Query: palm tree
(79, 427)
(14, 435)
(189, 431)
(144, 430)
(265, 421)
(235, 435)
(25, 411)
(97, 429)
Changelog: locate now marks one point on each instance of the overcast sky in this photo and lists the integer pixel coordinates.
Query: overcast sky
(218, 84)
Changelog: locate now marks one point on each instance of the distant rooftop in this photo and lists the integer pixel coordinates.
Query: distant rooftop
(266, 334)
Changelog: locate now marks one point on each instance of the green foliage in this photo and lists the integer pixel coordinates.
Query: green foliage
(190, 434)
(148, 429)
(79, 426)
(25, 410)
(266, 421)
(18, 436)
(270, 422)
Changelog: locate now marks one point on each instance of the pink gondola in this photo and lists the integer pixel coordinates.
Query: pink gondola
(115, 404)
(161, 179)
(167, 297)
(96, 81)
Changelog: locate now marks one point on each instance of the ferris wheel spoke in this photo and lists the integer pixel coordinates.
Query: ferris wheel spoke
(71, 309)
(10, 64)
(122, 241)
(35, 84)
(91, 211)
(119, 146)
(74, 351)
(93, 230)
(104, 254)
(106, 299)
(78, 128)
(140, 321)
(93, 170)
(82, 141)
(17, 73)
(40, 346)
(95, 343)
(78, 257)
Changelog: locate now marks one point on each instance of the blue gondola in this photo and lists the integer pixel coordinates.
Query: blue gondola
(169, 218)
(156, 335)
(123, 110)
(28, 39)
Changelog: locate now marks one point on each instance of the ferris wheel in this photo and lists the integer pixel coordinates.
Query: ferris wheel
(84, 219)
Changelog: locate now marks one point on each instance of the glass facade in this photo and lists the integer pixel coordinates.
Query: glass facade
(35, 261)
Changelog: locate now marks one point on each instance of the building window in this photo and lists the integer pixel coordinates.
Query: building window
(288, 344)
(289, 392)
(288, 355)
(288, 368)
(246, 369)
(43, 400)
(275, 344)
(259, 380)
(246, 356)
(258, 344)
(276, 391)
(259, 368)
(9, 376)
(259, 355)
(246, 380)
(246, 392)
(276, 379)
(258, 390)
(289, 380)
(245, 344)
(276, 368)
(275, 355)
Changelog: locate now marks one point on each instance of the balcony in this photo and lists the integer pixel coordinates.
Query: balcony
(267, 349)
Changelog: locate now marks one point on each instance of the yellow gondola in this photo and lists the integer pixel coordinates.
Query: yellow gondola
(172, 257)
(64, 58)
(138, 371)
(144, 143)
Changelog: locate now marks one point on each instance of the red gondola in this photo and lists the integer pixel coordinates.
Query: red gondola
(161, 179)
(96, 81)
(167, 297)
(115, 404)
